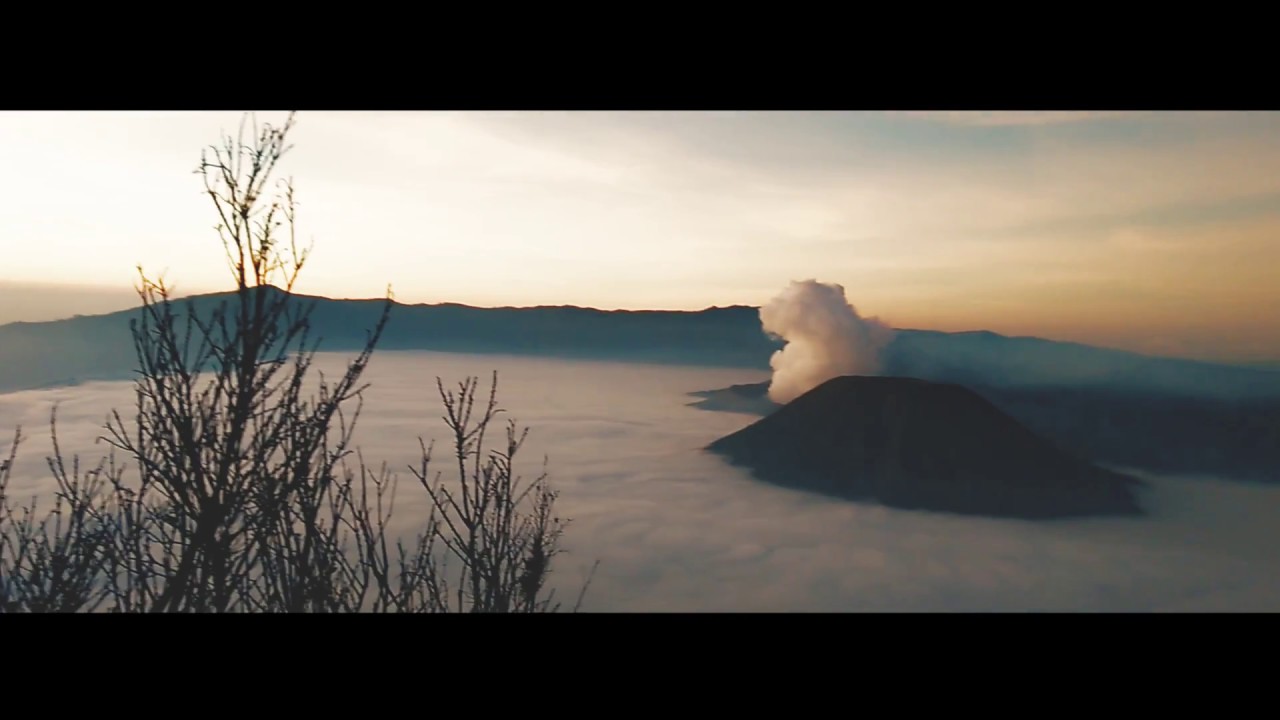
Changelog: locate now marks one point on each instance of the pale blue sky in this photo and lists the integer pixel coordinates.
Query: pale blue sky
(1155, 231)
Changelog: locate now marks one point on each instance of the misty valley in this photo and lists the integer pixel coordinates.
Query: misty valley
(676, 528)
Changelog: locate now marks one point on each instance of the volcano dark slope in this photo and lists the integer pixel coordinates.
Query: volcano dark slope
(1162, 433)
(916, 444)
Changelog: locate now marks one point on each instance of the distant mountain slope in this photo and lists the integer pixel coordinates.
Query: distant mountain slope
(99, 347)
(915, 444)
(988, 359)
(34, 355)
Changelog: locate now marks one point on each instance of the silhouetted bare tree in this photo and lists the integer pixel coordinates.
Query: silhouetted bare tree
(55, 562)
(248, 495)
(502, 529)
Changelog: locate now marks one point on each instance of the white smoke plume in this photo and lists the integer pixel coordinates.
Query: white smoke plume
(825, 338)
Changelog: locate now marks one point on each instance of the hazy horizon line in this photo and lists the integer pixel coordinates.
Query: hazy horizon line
(1266, 363)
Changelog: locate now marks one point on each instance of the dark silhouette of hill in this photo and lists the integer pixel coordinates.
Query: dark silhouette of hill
(750, 398)
(1237, 439)
(911, 443)
(99, 347)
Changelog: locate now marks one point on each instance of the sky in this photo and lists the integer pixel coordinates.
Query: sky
(1157, 232)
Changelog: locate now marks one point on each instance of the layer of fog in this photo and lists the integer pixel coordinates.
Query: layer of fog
(677, 529)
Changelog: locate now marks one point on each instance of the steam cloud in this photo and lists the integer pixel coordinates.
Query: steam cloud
(825, 337)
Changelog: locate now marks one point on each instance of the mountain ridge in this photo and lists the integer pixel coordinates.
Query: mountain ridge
(1266, 366)
(88, 347)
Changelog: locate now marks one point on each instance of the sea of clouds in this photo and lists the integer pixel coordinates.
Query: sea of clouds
(676, 529)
